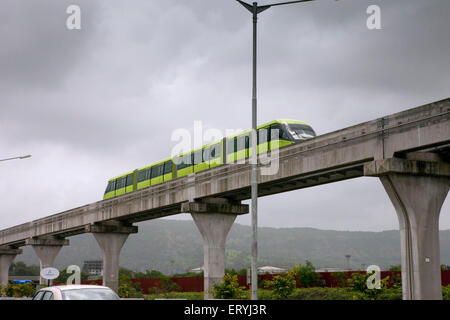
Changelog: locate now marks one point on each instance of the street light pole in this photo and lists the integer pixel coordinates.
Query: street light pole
(255, 10)
(20, 157)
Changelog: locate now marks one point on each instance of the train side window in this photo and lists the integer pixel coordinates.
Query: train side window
(157, 171)
(120, 183)
(186, 161)
(263, 135)
(214, 151)
(231, 145)
(130, 179)
(110, 187)
(198, 156)
(242, 143)
(142, 175)
(207, 154)
(168, 167)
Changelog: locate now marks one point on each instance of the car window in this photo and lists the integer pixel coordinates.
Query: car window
(48, 295)
(90, 294)
(38, 295)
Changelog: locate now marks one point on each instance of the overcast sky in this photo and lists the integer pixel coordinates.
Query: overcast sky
(93, 103)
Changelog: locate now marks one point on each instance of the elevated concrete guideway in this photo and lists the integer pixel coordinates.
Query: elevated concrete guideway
(414, 143)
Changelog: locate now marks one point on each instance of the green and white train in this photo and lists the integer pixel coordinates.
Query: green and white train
(271, 135)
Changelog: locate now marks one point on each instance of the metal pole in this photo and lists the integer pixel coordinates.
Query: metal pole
(254, 168)
(254, 9)
(20, 157)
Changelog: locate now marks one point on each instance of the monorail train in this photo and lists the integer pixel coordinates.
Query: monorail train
(224, 151)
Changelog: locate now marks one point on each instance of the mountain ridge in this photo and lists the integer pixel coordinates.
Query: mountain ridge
(176, 246)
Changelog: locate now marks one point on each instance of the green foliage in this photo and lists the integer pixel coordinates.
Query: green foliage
(168, 285)
(306, 275)
(358, 283)
(21, 269)
(314, 293)
(282, 285)
(176, 295)
(126, 287)
(445, 267)
(446, 292)
(188, 274)
(242, 272)
(396, 281)
(149, 274)
(322, 293)
(17, 290)
(228, 288)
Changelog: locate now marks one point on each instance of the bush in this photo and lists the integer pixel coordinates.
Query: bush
(168, 285)
(319, 293)
(228, 288)
(176, 295)
(126, 287)
(446, 292)
(17, 290)
(282, 285)
(362, 292)
(307, 276)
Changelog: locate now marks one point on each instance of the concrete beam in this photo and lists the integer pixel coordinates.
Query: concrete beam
(407, 166)
(217, 205)
(417, 190)
(46, 249)
(111, 227)
(111, 237)
(7, 256)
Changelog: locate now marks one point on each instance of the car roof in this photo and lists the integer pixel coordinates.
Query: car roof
(76, 286)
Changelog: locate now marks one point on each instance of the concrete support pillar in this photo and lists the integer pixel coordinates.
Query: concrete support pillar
(214, 220)
(214, 228)
(7, 256)
(111, 237)
(417, 190)
(46, 249)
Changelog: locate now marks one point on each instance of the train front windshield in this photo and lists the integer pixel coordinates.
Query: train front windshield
(300, 131)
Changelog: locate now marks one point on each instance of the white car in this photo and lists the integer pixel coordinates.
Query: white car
(76, 292)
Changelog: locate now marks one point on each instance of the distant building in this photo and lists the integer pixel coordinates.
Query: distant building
(330, 269)
(270, 270)
(197, 270)
(93, 267)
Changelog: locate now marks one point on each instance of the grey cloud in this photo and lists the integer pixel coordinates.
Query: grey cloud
(105, 99)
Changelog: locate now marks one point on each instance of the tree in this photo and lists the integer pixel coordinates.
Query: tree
(149, 274)
(307, 276)
(21, 269)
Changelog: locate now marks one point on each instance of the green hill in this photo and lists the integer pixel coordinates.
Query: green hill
(175, 246)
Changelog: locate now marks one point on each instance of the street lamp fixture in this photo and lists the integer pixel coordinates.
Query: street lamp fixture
(255, 10)
(19, 157)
